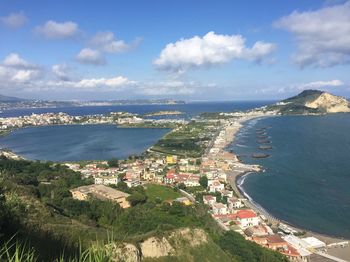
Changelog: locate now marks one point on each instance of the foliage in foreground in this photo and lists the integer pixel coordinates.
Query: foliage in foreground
(36, 195)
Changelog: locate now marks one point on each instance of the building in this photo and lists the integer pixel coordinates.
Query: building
(209, 200)
(247, 218)
(189, 179)
(215, 186)
(234, 203)
(171, 160)
(257, 231)
(106, 180)
(219, 209)
(101, 192)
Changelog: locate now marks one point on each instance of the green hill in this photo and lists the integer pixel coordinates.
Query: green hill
(40, 217)
(311, 102)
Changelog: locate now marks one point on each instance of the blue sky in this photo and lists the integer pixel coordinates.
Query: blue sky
(192, 50)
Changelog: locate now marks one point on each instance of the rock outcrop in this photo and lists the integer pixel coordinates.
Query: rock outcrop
(312, 102)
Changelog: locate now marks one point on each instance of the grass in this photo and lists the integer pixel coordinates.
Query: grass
(189, 140)
(161, 192)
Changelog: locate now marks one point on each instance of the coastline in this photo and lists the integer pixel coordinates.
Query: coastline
(236, 180)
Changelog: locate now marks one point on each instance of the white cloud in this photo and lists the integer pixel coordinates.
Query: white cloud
(15, 61)
(90, 56)
(56, 30)
(320, 84)
(114, 82)
(61, 71)
(211, 49)
(14, 69)
(326, 85)
(14, 20)
(172, 87)
(106, 42)
(323, 36)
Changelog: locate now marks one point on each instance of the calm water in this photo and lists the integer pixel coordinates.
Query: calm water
(89, 142)
(307, 178)
(190, 109)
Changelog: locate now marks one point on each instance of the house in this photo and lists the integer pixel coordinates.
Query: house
(215, 186)
(234, 203)
(106, 180)
(170, 177)
(101, 192)
(247, 218)
(227, 193)
(219, 209)
(209, 199)
(256, 231)
(170, 160)
(188, 179)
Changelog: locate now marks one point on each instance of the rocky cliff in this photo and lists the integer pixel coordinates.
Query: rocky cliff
(312, 102)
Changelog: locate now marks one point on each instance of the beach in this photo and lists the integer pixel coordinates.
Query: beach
(236, 179)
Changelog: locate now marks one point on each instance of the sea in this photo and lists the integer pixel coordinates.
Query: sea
(306, 181)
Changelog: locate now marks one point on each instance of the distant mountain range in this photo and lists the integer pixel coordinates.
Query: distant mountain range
(312, 102)
(9, 102)
(10, 99)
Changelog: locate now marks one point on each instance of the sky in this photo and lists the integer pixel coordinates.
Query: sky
(192, 50)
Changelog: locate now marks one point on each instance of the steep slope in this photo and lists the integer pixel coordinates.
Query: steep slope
(312, 102)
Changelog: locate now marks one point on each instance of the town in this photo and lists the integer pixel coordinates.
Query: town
(122, 119)
(209, 179)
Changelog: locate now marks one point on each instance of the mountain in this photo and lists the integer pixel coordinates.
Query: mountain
(312, 102)
(10, 99)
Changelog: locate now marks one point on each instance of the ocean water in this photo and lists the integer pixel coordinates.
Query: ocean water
(94, 142)
(77, 142)
(307, 177)
(189, 109)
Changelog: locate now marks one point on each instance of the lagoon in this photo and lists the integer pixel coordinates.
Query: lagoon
(80, 142)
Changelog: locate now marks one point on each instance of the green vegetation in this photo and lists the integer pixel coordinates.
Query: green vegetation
(188, 140)
(149, 124)
(242, 250)
(40, 221)
(158, 192)
(203, 181)
(296, 105)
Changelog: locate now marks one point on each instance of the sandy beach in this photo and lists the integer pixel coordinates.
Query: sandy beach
(241, 170)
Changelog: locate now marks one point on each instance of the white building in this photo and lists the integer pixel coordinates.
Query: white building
(215, 186)
(106, 180)
(219, 209)
(247, 218)
(209, 200)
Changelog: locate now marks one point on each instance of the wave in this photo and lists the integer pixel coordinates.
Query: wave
(239, 145)
(240, 182)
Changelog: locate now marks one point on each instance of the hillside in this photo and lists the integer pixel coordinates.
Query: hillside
(312, 102)
(39, 213)
(9, 99)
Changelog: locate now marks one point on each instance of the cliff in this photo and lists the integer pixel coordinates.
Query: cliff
(312, 102)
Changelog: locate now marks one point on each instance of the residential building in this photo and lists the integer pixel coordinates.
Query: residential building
(101, 192)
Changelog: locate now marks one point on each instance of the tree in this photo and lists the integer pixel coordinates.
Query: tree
(137, 198)
(181, 186)
(203, 181)
(113, 162)
(122, 186)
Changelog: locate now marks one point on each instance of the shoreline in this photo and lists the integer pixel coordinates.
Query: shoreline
(236, 180)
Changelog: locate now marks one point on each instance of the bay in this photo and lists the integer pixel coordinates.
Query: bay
(307, 177)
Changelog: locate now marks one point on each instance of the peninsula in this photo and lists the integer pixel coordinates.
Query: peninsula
(185, 186)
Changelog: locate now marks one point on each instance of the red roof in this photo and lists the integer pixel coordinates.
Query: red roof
(245, 214)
